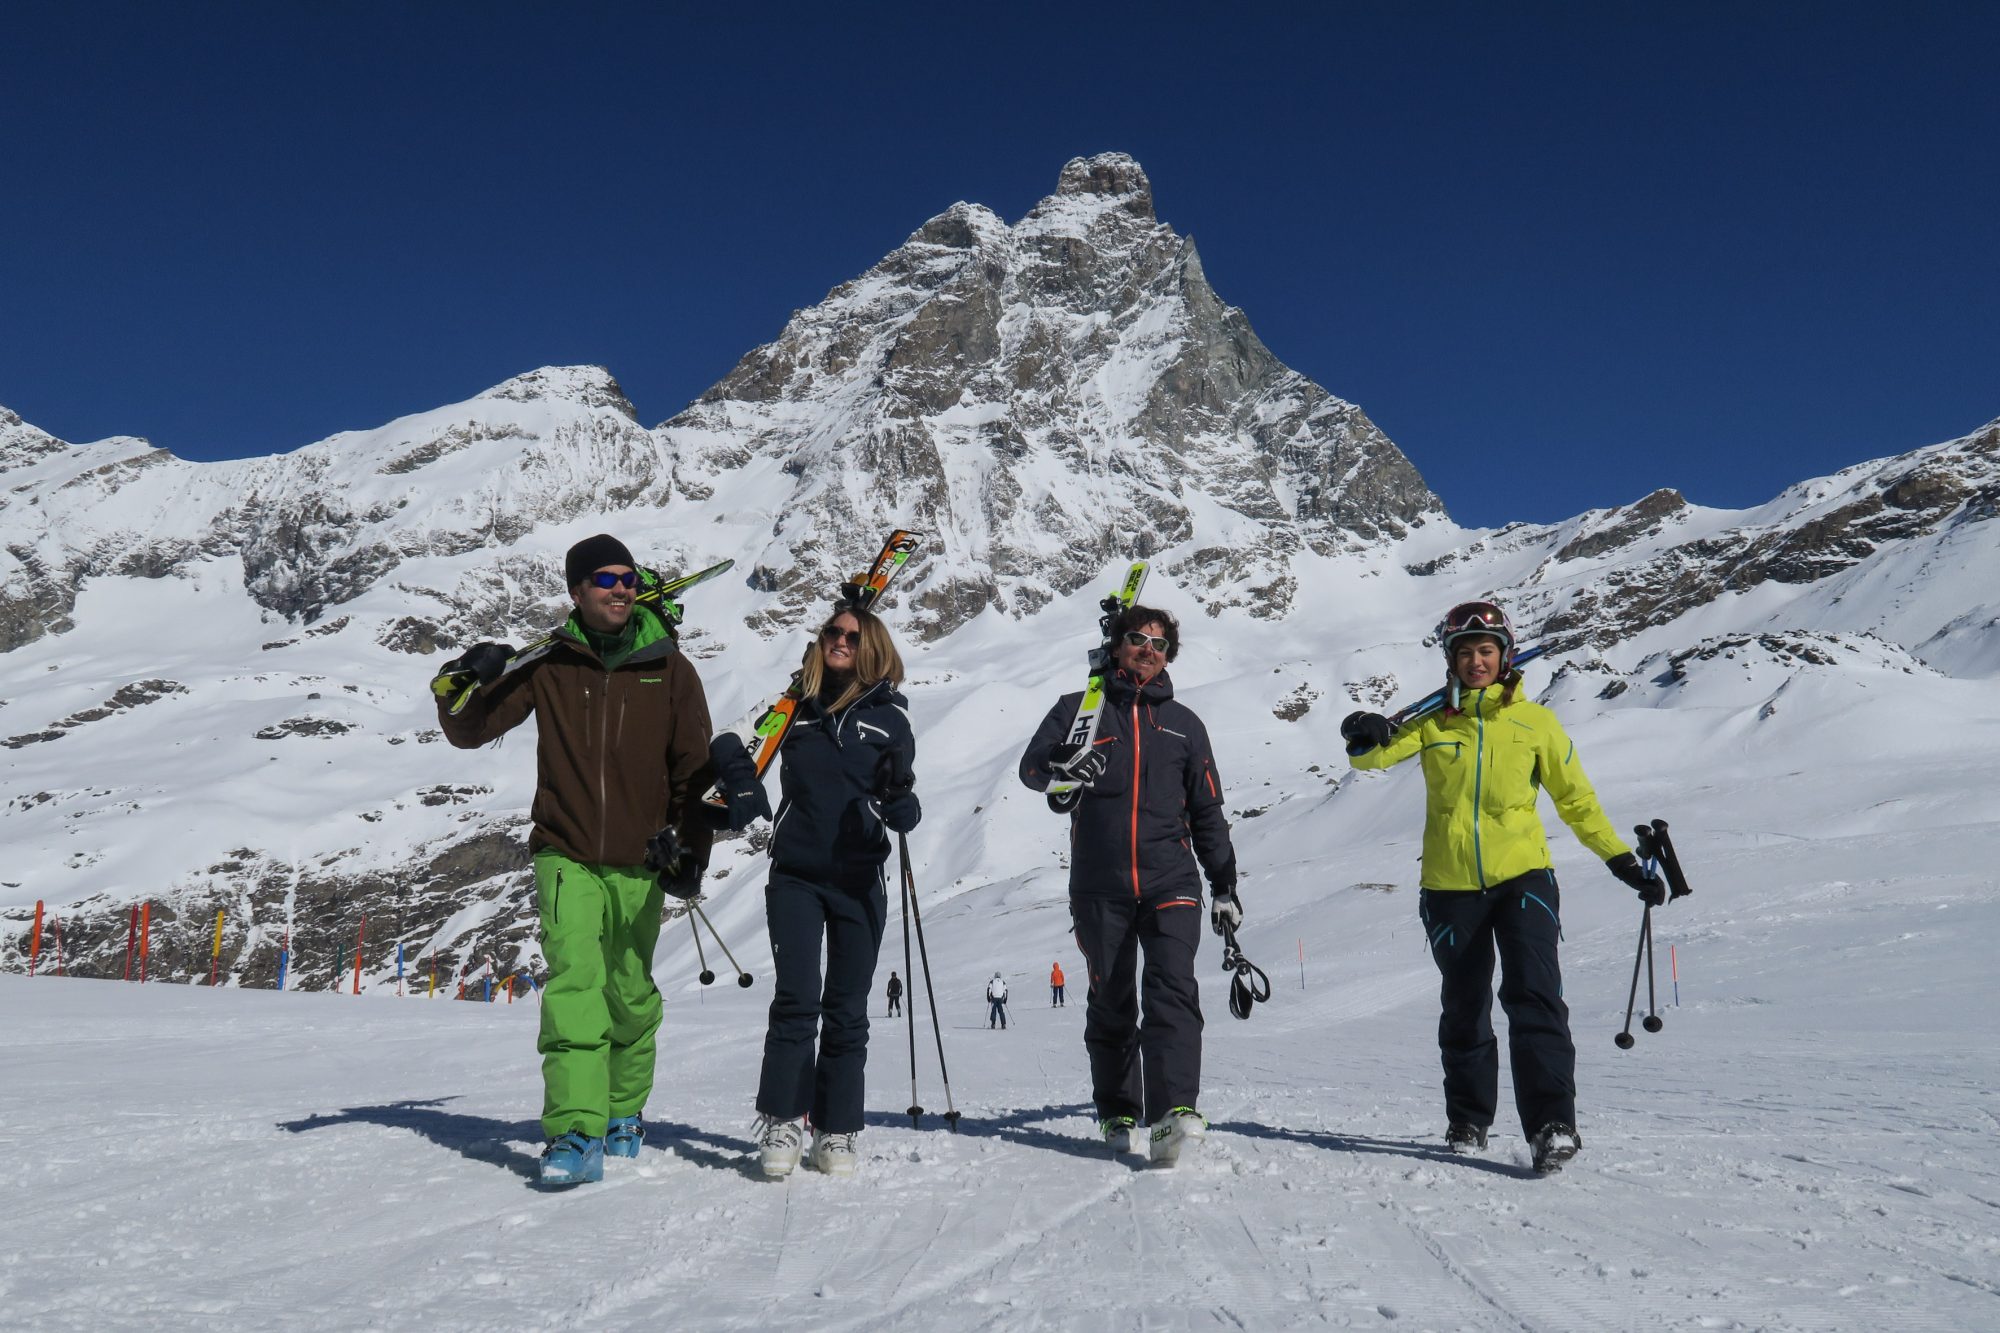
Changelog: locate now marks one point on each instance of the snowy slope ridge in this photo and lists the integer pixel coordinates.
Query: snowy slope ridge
(214, 694)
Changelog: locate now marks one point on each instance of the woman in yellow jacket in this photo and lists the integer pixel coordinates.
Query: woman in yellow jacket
(1487, 881)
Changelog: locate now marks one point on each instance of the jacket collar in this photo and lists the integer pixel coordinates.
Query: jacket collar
(1122, 687)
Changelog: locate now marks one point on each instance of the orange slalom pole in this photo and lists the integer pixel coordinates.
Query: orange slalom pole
(35, 939)
(359, 937)
(434, 976)
(215, 951)
(145, 936)
(510, 990)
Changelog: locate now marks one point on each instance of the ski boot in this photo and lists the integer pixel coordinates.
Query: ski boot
(833, 1154)
(1120, 1134)
(623, 1137)
(1464, 1138)
(573, 1159)
(1554, 1144)
(779, 1143)
(1183, 1127)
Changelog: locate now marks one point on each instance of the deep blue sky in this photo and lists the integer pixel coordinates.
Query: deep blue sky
(1562, 253)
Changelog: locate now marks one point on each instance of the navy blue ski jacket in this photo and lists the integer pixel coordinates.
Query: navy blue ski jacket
(833, 766)
(1142, 827)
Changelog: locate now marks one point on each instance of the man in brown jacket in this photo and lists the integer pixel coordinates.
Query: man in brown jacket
(624, 748)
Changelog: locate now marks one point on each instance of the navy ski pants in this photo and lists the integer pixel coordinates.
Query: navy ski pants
(1521, 918)
(1141, 1067)
(797, 1080)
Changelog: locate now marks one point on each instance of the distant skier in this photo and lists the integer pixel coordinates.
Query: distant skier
(1487, 880)
(847, 785)
(1055, 984)
(895, 995)
(1146, 824)
(602, 794)
(996, 1002)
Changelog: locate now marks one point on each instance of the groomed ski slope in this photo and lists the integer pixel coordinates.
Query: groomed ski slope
(1809, 1145)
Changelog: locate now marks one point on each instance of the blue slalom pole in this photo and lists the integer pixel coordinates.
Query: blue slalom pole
(284, 960)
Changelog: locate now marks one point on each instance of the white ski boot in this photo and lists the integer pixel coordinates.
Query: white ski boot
(833, 1154)
(1173, 1136)
(1120, 1134)
(779, 1143)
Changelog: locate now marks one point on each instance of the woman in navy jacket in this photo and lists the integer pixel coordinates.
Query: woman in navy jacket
(845, 787)
(1148, 823)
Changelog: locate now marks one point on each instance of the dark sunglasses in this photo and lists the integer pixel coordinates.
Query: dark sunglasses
(604, 578)
(1138, 639)
(833, 634)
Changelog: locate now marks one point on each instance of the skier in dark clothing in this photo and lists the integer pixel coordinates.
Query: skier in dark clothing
(1487, 880)
(1147, 823)
(846, 783)
(895, 995)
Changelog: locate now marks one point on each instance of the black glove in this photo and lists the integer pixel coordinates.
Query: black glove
(1225, 909)
(900, 810)
(1365, 731)
(1652, 890)
(484, 660)
(1081, 764)
(679, 873)
(736, 775)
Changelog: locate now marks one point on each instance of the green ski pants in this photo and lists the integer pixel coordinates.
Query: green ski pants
(600, 1008)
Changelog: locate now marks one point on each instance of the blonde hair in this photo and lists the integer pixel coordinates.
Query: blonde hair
(875, 659)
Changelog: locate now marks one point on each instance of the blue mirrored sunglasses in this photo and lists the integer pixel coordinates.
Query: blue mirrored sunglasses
(604, 578)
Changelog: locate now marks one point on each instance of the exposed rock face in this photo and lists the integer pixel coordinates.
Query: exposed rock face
(1610, 574)
(1047, 398)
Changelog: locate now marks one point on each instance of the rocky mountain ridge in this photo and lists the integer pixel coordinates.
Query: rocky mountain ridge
(214, 671)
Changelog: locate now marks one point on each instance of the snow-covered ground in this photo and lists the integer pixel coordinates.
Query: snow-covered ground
(1808, 1145)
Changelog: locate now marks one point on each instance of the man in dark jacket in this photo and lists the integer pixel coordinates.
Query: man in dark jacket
(1144, 826)
(622, 755)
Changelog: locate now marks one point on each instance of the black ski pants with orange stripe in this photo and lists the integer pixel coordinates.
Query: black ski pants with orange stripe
(1142, 1025)
(1521, 918)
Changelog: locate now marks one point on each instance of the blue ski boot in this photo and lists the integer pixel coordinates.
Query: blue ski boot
(572, 1159)
(624, 1136)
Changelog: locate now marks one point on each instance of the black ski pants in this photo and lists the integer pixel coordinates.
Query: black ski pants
(797, 1080)
(1141, 1067)
(1521, 918)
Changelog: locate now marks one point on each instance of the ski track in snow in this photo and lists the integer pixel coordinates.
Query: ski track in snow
(1806, 1146)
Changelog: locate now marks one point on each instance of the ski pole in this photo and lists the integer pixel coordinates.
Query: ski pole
(910, 1010)
(1624, 1038)
(706, 975)
(742, 978)
(930, 996)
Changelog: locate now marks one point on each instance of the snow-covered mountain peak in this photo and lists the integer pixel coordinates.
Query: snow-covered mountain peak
(585, 386)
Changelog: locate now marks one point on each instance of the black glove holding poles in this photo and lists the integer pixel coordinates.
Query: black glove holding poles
(1365, 731)
(1225, 910)
(679, 873)
(1652, 890)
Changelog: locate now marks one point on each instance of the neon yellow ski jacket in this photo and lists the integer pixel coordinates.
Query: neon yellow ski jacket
(1482, 769)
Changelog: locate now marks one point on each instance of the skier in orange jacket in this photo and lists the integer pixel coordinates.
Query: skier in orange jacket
(1055, 985)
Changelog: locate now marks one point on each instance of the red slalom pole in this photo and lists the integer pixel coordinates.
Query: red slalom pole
(359, 936)
(35, 939)
(145, 936)
(131, 941)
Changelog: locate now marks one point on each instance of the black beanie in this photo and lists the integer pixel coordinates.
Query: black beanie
(592, 554)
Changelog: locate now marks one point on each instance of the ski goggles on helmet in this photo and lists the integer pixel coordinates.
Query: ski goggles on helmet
(604, 578)
(1475, 618)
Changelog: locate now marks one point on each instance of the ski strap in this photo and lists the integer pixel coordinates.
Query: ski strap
(1249, 986)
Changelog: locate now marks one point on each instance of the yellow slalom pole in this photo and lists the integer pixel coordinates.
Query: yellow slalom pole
(215, 954)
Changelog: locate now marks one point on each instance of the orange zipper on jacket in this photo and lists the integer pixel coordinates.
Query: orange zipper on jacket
(1137, 775)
